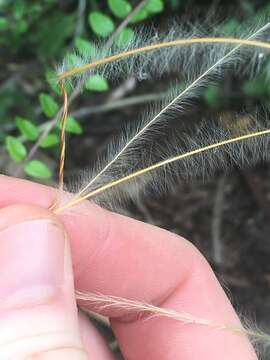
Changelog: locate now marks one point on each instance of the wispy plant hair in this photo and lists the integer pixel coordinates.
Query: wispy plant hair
(126, 155)
(103, 303)
(214, 141)
(152, 54)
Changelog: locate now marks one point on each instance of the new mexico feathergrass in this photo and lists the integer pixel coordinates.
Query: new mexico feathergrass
(176, 101)
(107, 177)
(179, 42)
(153, 167)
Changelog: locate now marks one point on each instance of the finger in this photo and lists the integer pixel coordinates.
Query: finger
(138, 261)
(94, 344)
(38, 315)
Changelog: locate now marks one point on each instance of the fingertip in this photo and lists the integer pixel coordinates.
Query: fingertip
(16, 213)
(36, 286)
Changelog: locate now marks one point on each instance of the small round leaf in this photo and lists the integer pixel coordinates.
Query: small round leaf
(72, 126)
(15, 148)
(154, 6)
(84, 47)
(3, 23)
(212, 96)
(27, 128)
(48, 104)
(51, 78)
(50, 140)
(120, 8)
(140, 15)
(72, 60)
(96, 83)
(125, 37)
(101, 24)
(37, 169)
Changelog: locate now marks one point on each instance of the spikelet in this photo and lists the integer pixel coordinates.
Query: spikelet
(238, 139)
(125, 154)
(103, 303)
(161, 55)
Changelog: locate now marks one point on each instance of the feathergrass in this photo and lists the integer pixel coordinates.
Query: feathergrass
(107, 302)
(104, 302)
(160, 164)
(238, 42)
(179, 42)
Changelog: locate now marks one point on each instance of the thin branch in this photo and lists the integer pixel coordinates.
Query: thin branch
(103, 108)
(125, 22)
(80, 18)
(119, 104)
(216, 227)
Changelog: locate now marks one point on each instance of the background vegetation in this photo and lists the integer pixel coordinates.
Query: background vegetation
(36, 36)
(227, 217)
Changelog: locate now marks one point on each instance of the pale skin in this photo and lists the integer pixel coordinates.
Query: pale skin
(42, 256)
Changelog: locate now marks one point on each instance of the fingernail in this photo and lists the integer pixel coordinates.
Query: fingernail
(31, 262)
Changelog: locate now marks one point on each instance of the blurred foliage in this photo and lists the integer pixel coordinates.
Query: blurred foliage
(36, 35)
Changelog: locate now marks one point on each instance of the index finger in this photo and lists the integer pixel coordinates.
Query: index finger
(118, 256)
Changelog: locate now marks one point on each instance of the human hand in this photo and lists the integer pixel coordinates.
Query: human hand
(112, 255)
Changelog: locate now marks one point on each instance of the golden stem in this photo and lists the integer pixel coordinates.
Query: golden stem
(158, 165)
(179, 42)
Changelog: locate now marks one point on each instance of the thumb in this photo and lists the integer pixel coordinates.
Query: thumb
(38, 314)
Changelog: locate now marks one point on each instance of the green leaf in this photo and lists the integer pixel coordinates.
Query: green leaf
(84, 47)
(3, 23)
(37, 169)
(120, 8)
(125, 37)
(27, 128)
(48, 105)
(140, 15)
(21, 26)
(256, 87)
(154, 6)
(96, 83)
(51, 78)
(72, 60)
(101, 24)
(151, 7)
(212, 96)
(72, 126)
(50, 140)
(15, 148)
(19, 9)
